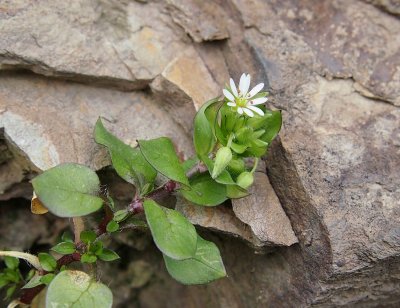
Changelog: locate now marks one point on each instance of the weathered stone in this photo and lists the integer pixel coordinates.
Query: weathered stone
(59, 124)
(390, 6)
(350, 39)
(203, 21)
(262, 211)
(221, 219)
(120, 43)
(184, 86)
(334, 169)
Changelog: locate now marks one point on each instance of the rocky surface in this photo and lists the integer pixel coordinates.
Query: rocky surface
(333, 67)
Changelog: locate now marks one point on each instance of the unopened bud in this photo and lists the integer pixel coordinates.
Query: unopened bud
(236, 166)
(222, 159)
(245, 179)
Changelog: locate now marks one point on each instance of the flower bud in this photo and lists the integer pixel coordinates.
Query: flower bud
(236, 166)
(245, 179)
(222, 159)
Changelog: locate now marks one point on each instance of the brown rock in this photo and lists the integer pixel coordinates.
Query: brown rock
(262, 211)
(202, 20)
(390, 6)
(220, 218)
(184, 86)
(119, 43)
(58, 124)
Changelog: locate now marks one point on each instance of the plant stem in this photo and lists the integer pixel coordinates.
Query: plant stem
(79, 226)
(25, 256)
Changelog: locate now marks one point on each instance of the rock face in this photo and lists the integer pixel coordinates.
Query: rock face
(333, 67)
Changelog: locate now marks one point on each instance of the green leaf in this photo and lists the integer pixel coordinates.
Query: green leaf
(88, 258)
(3, 280)
(76, 289)
(128, 162)
(12, 275)
(189, 164)
(203, 136)
(108, 255)
(11, 262)
(10, 291)
(204, 267)
(120, 215)
(88, 236)
(160, 153)
(112, 226)
(236, 192)
(173, 234)
(46, 279)
(68, 190)
(67, 237)
(64, 248)
(96, 248)
(33, 282)
(272, 125)
(47, 261)
(205, 191)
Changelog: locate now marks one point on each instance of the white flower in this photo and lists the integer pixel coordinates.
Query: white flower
(243, 101)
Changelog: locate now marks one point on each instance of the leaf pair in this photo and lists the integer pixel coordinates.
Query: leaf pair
(189, 258)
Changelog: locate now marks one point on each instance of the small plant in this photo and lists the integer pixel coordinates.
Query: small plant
(230, 135)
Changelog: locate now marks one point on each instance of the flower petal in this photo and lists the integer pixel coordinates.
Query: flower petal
(233, 87)
(244, 84)
(255, 90)
(240, 110)
(256, 110)
(248, 112)
(231, 104)
(228, 95)
(258, 101)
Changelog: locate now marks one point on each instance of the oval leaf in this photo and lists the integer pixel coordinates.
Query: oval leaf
(160, 153)
(203, 136)
(204, 267)
(173, 234)
(77, 289)
(205, 191)
(128, 162)
(68, 190)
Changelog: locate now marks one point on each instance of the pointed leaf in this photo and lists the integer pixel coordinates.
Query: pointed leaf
(68, 190)
(160, 153)
(47, 261)
(272, 126)
(204, 267)
(173, 234)
(203, 136)
(108, 255)
(128, 162)
(77, 289)
(64, 248)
